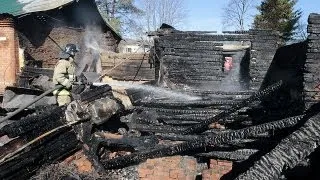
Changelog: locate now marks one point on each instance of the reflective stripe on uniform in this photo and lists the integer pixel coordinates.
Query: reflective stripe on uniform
(65, 82)
(63, 100)
(61, 92)
(71, 77)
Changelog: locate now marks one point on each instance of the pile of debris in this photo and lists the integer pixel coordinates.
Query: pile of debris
(37, 149)
(135, 134)
(116, 135)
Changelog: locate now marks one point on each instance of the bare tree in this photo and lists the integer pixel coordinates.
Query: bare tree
(121, 14)
(236, 13)
(156, 12)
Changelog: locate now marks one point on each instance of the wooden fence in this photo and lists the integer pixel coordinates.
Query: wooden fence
(129, 67)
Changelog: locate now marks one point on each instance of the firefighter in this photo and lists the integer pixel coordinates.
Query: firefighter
(64, 74)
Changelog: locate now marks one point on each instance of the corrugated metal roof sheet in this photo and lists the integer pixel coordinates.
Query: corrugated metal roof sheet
(19, 7)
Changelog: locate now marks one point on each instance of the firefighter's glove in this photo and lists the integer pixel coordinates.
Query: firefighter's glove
(67, 84)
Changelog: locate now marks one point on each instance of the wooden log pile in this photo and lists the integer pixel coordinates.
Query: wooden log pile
(194, 62)
(47, 150)
(312, 65)
(42, 137)
(264, 44)
(241, 142)
(191, 60)
(159, 119)
(141, 137)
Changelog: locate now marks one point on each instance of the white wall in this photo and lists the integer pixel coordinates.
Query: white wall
(133, 49)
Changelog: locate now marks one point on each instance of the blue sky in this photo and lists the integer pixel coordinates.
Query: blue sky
(206, 14)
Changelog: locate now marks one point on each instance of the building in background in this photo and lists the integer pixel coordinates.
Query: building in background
(133, 46)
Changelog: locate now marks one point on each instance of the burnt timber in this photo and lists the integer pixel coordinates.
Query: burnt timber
(270, 125)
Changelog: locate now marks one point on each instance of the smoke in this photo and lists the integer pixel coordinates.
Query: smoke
(161, 92)
(90, 51)
(94, 39)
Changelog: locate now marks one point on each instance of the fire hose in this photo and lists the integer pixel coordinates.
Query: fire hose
(30, 103)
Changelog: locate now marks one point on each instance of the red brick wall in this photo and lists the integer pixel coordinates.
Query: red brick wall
(182, 168)
(218, 168)
(166, 168)
(169, 168)
(42, 38)
(8, 53)
(48, 50)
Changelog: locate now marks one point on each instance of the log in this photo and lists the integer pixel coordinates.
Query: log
(47, 151)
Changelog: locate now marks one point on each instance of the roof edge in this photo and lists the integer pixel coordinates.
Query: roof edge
(109, 25)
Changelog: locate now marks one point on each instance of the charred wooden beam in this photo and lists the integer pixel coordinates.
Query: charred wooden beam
(12, 145)
(189, 117)
(179, 137)
(36, 123)
(193, 55)
(199, 111)
(196, 144)
(239, 37)
(206, 122)
(291, 150)
(238, 155)
(257, 96)
(141, 117)
(95, 92)
(201, 117)
(243, 93)
(184, 104)
(204, 125)
(176, 122)
(136, 143)
(155, 128)
(187, 44)
(47, 151)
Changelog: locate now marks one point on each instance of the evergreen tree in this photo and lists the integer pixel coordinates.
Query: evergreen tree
(278, 15)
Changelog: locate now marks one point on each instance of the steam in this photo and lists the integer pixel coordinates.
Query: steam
(231, 82)
(155, 90)
(90, 50)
